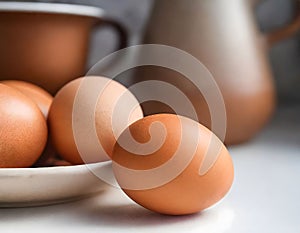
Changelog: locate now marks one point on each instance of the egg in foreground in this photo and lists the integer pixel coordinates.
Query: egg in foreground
(172, 165)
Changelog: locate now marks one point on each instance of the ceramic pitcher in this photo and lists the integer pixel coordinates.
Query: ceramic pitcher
(223, 35)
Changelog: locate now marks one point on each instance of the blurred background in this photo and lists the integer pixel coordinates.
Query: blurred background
(270, 15)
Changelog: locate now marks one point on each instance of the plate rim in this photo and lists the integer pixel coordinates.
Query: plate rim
(5, 172)
(52, 8)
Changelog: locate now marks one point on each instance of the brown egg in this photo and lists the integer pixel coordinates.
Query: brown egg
(41, 97)
(172, 165)
(59, 162)
(85, 130)
(44, 100)
(23, 129)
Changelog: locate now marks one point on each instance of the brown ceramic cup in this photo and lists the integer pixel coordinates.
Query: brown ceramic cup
(46, 43)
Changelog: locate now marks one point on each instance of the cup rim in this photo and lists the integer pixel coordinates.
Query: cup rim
(52, 8)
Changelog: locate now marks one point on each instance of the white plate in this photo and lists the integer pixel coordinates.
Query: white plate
(21, 187)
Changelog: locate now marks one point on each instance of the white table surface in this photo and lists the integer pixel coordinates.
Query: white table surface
(264, 197)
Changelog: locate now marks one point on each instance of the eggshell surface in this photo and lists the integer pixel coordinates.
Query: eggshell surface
(41, 97)
(43, 100)
(172, 165)
(105, 109)
(23, 129)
